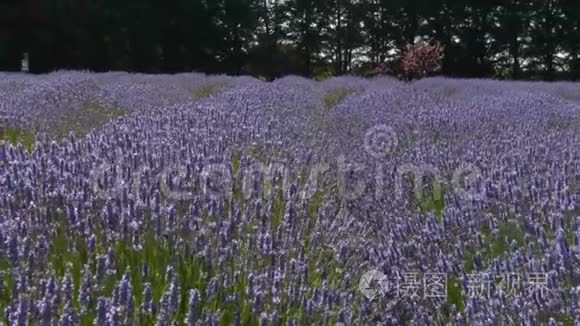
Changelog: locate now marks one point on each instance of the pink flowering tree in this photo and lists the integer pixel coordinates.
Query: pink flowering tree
(421, 59)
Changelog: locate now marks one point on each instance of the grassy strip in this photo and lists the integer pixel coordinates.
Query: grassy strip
(92, 115)
(333, 98)
(15, 136)
(207, 91)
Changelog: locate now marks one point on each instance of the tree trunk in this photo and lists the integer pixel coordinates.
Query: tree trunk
(338, 64)
(515, 54)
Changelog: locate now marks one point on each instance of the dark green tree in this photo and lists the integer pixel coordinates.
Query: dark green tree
(546, 31)
(11, 42)
(303, 22)
(571, 33)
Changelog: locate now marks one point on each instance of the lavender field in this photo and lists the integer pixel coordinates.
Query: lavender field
(188, 199)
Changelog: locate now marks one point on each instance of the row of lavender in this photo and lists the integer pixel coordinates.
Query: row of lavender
(265, 203)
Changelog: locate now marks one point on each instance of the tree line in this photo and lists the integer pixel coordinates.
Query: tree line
(517, 39)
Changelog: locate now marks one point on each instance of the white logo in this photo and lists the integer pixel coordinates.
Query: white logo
(373, 284)
(380, 141)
